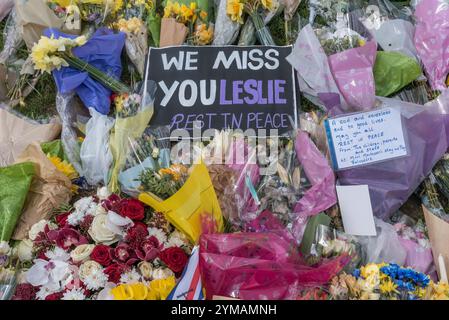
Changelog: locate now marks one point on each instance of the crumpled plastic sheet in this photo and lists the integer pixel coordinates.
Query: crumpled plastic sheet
(321, 195)
(226, 30)
(13, 36)
(95, 153)
(353, 73)
(5, 7)
(391, 182)
(314, 73)
(432, 40)
(69, 138)
(261, 266)
(103, 51)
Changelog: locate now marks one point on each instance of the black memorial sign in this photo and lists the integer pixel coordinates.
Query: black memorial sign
(223, 87)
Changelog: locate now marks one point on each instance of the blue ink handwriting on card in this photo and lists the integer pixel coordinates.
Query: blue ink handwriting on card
(364, 138)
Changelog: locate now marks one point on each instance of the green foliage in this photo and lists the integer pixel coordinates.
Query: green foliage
(163, 186)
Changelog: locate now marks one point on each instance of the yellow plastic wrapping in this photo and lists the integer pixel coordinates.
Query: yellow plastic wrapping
(187, 206)
(125, 129)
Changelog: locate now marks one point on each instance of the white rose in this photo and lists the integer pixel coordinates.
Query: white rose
(100, 233)
(99, 210)
(162, 273)
(88, 268)
(25, 250)
(103, 193)
(82, 252)
(36, 229)
(4, 248)
(146, 269)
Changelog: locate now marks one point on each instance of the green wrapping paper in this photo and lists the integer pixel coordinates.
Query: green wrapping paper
(55, 149)
(15, 181)
(393, 71)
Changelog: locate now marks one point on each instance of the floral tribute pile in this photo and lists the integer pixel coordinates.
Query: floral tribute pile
(104, 247)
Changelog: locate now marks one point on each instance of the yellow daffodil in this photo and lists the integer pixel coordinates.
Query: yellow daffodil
(122, 292)
(156, 290)
(234, 9)
(203, 34)
(203, 15)
(132, 25)
(45, 53)
(268, 4)
(163, 287)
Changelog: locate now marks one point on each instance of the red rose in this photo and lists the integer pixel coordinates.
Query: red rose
(123, 253)
(175, 258)
(61, 219)
(132, 209)
(114, 272)
(101, 254)
(54, 296)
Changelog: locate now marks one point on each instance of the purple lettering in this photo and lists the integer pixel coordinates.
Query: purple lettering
(223, 100)
(250, 88)
(236, 91)
(278, 89)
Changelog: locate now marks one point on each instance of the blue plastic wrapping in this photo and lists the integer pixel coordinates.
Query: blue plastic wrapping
(102, 51)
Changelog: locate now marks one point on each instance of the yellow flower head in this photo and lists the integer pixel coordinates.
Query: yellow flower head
(45, 54)
(388, 286)
(203, 15)
(234, 9)
(369, 270)
(268, 4)
(163, 287)
(63, 166)
(203, 35)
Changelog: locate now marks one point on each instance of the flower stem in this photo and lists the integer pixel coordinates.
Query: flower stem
(262, 32)
(108, 81)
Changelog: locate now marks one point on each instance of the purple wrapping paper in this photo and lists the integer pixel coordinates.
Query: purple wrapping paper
(102, 51)
(353, 73)
(432, 40)
(321, 195)
(393, 181)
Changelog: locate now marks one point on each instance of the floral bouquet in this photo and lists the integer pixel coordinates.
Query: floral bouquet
(105, 247)
(386, 282)
(255, 10)
(184, 21)
(133, 113)
(99, 12)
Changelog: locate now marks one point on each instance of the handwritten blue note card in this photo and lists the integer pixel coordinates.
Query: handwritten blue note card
(366, 137)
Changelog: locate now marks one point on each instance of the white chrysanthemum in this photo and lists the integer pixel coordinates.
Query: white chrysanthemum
(75, 218)
(83, 207)
(57, 253)
(74, 294)
(96, 280)
(45, 291)
(158, 233)
(177, 239)
(130, 277)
